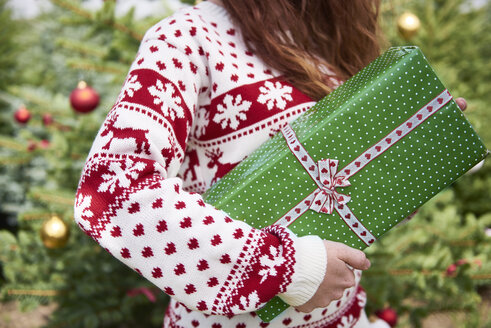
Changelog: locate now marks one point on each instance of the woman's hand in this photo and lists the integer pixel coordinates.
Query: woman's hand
(462, 103)
(338, 275)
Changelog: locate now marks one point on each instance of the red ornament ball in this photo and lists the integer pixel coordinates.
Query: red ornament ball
(83, 98)
(47, 119)
(31, 146)
(389, 315)
(451, 270)
(44, 144)
(22, 115)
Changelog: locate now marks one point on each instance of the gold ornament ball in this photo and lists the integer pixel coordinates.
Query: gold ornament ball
(408, 25)
(54, 233)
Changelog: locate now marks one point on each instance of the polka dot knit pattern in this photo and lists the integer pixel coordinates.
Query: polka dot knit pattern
(195, 103)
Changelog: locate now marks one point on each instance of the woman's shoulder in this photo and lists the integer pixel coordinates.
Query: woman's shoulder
(191, 22)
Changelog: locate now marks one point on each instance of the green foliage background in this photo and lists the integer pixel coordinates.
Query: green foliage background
(44, 58)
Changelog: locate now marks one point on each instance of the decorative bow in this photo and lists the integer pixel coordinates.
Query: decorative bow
(326, 194)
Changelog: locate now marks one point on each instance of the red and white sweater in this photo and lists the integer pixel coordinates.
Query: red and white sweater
(195, 103)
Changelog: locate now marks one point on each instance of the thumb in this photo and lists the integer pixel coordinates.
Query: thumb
(354, 257)
(462, 103)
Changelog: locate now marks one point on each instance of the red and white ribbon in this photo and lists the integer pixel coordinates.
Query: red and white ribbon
(325, 198)
(326, 195)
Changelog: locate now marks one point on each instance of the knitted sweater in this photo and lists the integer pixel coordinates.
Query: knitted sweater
(195, 103)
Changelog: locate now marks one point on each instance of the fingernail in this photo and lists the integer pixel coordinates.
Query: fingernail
(462, 103)
(368, 264)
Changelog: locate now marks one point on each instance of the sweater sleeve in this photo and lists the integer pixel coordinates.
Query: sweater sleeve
(130, 201)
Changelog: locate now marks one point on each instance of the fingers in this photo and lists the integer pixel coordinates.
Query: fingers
(339, 276)
(349, 279)
(305, 308)
(338, 282)
(353, 257)
(462, 103)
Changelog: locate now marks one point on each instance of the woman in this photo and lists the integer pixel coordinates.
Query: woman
(209, 85)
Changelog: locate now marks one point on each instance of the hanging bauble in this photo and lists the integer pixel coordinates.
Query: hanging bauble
(54, 232)
(451, 270)
(31, 145)
(389, 315)
(47, 119)
(408, 25)
(22, 115)
(44, 144)
(83, 98)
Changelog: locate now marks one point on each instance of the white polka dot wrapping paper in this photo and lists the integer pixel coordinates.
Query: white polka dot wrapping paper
(359, 161)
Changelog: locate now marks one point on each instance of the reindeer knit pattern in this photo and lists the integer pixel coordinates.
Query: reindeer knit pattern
(195, 103)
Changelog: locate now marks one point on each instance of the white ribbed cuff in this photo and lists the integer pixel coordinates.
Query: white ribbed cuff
(309, 270)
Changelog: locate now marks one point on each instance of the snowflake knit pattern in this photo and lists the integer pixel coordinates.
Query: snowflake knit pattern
(195, 103)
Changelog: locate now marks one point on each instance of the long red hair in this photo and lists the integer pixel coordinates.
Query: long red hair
(296, 37)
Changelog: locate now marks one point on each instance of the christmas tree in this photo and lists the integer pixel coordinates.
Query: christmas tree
(437, 263)
(52, 118)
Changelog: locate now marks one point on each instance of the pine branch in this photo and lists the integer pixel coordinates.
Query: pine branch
(73, 8)
(31, 216)
(424, 272)
(88, 15)
(135, 35)
(8, 98)
(11, 144)
(33, 96)
(88, 50)
(484, 276)
(81, 48)
(33, 292)
(14, 160)
(101, 68)
(50, 198)
(459, 241)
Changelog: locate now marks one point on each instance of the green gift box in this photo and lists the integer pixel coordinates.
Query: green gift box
(359, 161)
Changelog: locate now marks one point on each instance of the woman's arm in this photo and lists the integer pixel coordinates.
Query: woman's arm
(130, 201)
